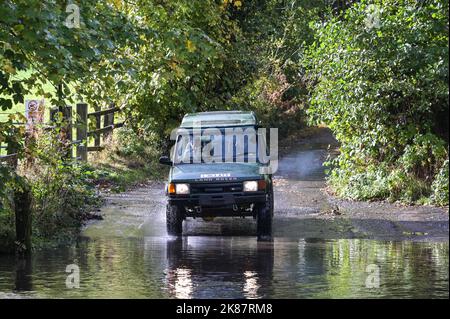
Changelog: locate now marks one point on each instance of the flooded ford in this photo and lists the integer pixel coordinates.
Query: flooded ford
(232, 267)
(322, 248)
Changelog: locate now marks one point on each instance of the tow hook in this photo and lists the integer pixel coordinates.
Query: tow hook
(198, 210)
(235, 208)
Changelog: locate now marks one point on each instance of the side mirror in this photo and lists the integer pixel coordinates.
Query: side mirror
(165, 160)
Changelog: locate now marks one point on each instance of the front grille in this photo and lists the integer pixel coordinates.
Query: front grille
(211, 188)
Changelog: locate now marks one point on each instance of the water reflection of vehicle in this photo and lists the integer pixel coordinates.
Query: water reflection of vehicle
(199, 267)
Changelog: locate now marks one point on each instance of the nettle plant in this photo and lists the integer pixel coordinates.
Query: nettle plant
(379, 80)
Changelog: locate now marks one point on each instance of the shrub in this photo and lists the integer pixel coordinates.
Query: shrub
(379, 79)
(61, 189)
(138, 145)
(440, 186)
(266, 97)
(130, 157)
(7, 222)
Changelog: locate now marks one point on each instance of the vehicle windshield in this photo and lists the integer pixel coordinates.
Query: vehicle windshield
(213, 145)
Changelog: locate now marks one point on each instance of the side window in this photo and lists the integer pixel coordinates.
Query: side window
(183, 149)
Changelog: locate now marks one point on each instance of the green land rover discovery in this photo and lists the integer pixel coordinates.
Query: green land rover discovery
(217, 169)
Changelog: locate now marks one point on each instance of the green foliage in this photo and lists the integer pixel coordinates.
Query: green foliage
(10, 182)
(375, 72)
(184, 64)
(440, 186)
(11, 135)
(423, 156)
(130, 158)
(370, 184)
(34, 38)
(62, 191)
(379, 79)
(208, 55)
(136, 145)
(265, 96)
(61, 196)
(275, 35)
(7, 223)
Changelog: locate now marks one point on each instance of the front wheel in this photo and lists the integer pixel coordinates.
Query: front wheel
(174, 220)
(264, 224)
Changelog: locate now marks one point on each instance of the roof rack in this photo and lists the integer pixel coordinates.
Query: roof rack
(219, 119)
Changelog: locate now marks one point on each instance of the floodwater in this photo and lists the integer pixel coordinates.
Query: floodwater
(232, 267)
(313, 254)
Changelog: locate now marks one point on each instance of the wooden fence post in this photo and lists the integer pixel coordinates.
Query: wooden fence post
(97, 127)
(53, 112)
(22, 207)
(67, 136)
(107, 121)
(66, 129)
(24, 270)
(82, 119)
(12, 148)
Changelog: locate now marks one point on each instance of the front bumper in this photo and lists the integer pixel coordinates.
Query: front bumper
(211, 200)
(220, 204)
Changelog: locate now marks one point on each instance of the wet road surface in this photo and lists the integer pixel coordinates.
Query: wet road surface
(322, 248)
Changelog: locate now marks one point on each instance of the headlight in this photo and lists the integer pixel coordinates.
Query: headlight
(182, 189)
(250, 186)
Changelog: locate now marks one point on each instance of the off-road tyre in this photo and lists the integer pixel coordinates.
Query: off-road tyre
(174, 220)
